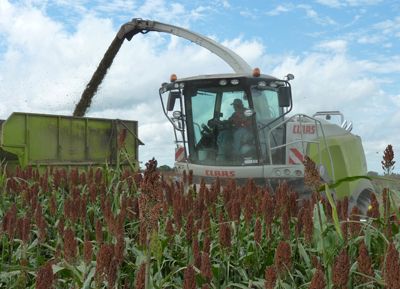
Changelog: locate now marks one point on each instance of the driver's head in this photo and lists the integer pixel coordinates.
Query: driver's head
(237, 103)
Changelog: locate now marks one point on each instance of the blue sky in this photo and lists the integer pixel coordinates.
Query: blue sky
(345, 56)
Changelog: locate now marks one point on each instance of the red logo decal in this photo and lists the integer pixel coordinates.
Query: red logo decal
(305, 129)
(220, 173)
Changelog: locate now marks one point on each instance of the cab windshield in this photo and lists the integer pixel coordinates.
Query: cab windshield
(267, 110)
(265, 103)
(222, 123)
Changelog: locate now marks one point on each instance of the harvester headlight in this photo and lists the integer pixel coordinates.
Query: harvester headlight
(286, 172)
(223, 82)
(181, 85)
(262, 84)
(298, 173)
(176, 85)
(235, 81)
(278, 172)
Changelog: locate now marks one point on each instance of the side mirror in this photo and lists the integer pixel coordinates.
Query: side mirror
(173, 95)
(285, 96)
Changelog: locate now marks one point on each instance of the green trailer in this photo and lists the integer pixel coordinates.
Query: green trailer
(31, 139)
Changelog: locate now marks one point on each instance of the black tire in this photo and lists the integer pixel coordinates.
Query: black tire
(364, 200)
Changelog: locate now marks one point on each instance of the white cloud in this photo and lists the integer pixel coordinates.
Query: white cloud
(312, 14)
(248, 14)
(225, 3)
(330, 3)
(390, 27)
(325, 82)
(370, 39)
(279, 10)
(344, 3)
(383, 65)
(383, 34)
(336, 46)
(251, 50)
(116, 6)
(362, 2)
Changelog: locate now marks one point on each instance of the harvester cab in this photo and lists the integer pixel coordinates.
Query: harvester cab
(223, 119)
(260, 145)
(268, 145)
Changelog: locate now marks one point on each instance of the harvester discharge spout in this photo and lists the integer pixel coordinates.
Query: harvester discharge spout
(130, 29)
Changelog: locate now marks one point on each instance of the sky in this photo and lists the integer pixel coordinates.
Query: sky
(344, 54)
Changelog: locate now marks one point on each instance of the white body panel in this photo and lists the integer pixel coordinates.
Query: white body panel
(243, 172)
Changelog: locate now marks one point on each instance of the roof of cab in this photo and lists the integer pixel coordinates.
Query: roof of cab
(224, 75)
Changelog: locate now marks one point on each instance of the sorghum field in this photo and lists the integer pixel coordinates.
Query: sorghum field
(110, 228)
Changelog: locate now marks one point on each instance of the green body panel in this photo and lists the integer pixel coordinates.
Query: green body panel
(348, 160)
(42, 139)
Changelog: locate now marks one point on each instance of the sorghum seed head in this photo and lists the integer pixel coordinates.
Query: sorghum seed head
(169, 229)
(283, 258)
(388, 159)
(355, 225)
(205, 267)
(87, 251)
(257, 231)
(391, 272)
(45, 277)
(141, 277)
(99, 232)
(189, 227)
(112, 273)
(70, 245)
(189, 278)
(225, 235)
(318, 280)
(285, 224)
(196, 253)
(103, 260)
(270, 277)
(340, 270)
(364, 263)
(308, 223)
(206, 243)
(299, 224)
(311, 175)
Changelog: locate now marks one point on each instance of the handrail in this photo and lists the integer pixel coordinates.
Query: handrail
(301, 119)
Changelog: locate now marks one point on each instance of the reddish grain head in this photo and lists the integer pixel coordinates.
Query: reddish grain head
(340, 270)
(45, 277)
(283, 258)
(270, 277)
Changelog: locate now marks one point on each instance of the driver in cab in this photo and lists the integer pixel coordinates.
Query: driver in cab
(238, 119)
(240, 132)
